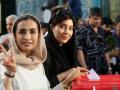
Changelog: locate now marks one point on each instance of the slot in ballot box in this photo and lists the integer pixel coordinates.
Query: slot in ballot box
(106, 82)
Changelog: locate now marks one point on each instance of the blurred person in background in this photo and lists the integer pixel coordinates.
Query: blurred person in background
(108, 27)
(81, 23)
(92, 50)
(4, 39)
(44, 27)
(115, 53)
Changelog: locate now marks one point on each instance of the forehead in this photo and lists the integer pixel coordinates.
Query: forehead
(27, 24)
(10, 20)
(95, 17)
(68, 22)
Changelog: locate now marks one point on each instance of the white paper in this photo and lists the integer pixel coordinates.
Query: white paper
(94, 88)
(113, 60)
(93, 75)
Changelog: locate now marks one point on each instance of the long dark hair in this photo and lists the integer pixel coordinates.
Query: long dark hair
(69, 48)
(59, 15)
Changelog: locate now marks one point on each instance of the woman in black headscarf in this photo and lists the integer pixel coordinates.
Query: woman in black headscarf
(60, 45)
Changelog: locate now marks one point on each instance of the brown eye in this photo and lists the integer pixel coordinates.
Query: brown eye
(62, 26)
(71, 28)
(33, 31)
(22, 31)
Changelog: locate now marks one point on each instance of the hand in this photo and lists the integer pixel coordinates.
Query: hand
(74, 74)
(85, 66)
(6, 41)
(2, 49)
(9, 61)
(10, 64)
(83, 71)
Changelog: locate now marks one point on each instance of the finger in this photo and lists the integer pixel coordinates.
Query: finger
(11, 45)
(82, 69)
(9, 66)
(12, 52)
(2, 49)
(5, 62)
(11, 59)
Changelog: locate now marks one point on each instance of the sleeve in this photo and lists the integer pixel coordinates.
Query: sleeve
(106, 47)
(80, 38)
(47, 66)
(53, 81)
(58, 87)
(3, 38)
(111, 42)
(1, 85)
(108, 44)
(2, 69)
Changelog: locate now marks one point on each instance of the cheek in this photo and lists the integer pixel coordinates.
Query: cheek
(55, 32)
(18, 41)
(71, 33)
(35, 39)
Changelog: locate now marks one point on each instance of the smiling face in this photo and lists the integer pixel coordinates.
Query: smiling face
(95, 21)
(26, 35)
(63, 31)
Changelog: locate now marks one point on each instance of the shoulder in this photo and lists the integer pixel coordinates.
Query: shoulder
(81, 31)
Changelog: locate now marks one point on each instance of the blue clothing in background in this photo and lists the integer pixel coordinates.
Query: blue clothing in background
(75, 6)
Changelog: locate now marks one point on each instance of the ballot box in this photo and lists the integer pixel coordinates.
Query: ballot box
(106, 82)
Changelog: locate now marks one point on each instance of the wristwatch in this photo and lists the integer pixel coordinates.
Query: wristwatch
(9, 75)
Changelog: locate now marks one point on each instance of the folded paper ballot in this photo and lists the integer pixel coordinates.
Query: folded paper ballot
(93, 75)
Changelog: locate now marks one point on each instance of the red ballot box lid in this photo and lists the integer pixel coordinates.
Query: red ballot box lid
(106, 82)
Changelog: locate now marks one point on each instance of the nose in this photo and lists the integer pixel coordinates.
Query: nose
(27, 35)
(66, 30)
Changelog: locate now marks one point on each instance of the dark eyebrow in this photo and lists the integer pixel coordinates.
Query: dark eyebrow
(22, 29)
(64, 24)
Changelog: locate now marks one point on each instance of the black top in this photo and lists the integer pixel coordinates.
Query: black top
(59, 58)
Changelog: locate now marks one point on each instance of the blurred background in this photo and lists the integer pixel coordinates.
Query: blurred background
(41, 8)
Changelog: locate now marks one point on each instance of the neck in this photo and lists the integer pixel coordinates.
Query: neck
(95, 29)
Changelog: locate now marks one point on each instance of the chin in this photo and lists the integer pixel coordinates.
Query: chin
(27, 49)
(64, 42)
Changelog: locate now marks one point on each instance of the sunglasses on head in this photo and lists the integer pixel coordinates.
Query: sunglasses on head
(61, 13)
